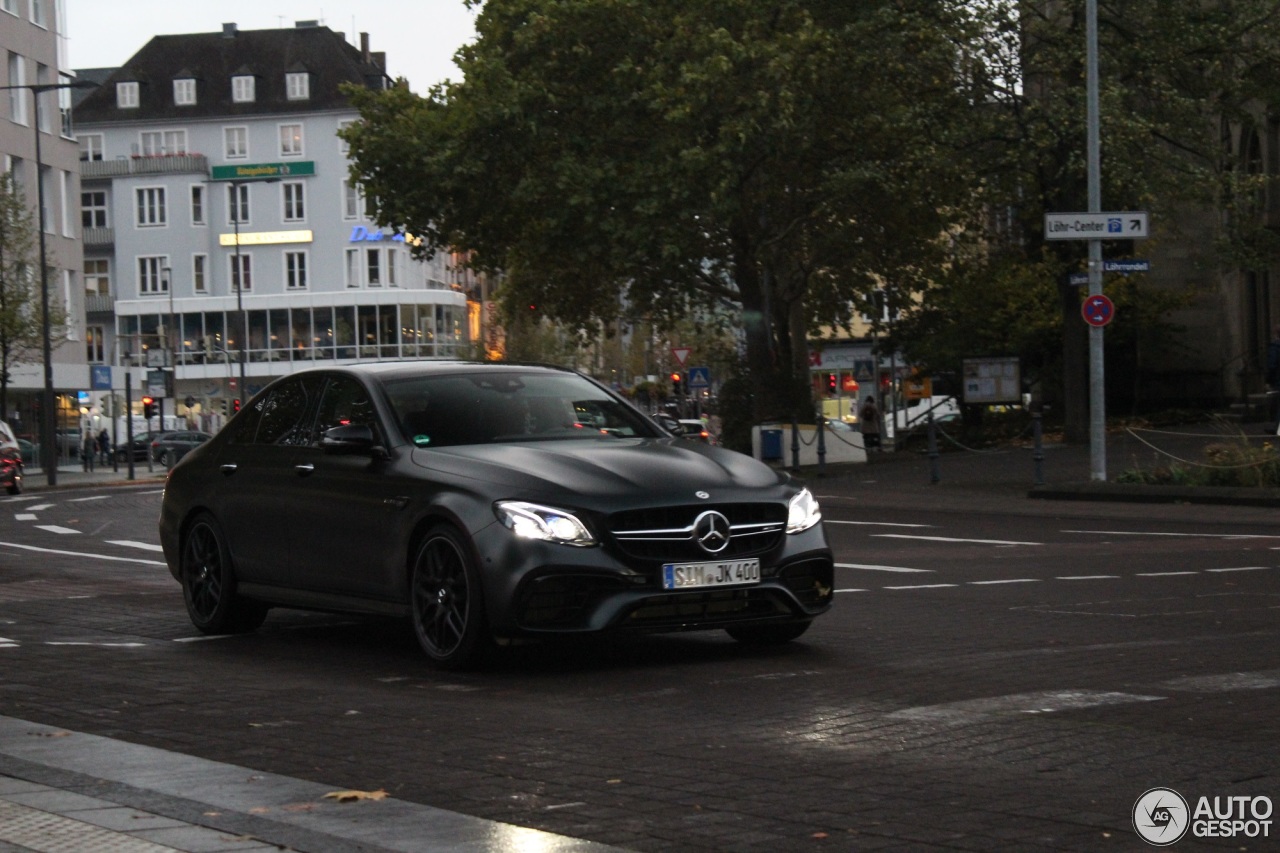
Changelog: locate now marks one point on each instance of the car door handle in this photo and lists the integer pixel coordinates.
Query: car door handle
(304, 470)
(228, 469)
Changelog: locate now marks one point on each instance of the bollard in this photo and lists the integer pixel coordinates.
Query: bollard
(822, 445)
(934, 474)
(795, 444)
(1038, 454)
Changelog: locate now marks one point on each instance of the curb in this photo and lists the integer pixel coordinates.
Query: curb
(1138, 493)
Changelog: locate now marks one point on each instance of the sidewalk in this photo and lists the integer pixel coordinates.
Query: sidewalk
(62, 790)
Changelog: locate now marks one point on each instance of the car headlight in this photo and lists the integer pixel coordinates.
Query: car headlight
(802, 512)
(534, 521)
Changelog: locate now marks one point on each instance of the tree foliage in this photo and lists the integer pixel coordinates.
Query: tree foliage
(659, 157)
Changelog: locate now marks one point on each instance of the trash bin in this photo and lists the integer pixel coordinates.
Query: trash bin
(770, 443)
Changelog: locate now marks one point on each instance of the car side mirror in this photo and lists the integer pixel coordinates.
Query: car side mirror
(351, 438)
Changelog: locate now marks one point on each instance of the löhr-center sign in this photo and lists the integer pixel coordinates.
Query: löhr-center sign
(1121, 225)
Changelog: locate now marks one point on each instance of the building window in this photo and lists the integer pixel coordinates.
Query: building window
(236, 142)
(97, 277)
(37, 13)
(64, 194)
(90, 147)
(241, 272)
(354, 204)
(297, 86)
(156, 142)
(294, 208)
(242, 89)
(95, 349)
(197, 205)
(373, 267)
(10, 6)
(344, 147)
(184, 92)
(237, 204)
(150, 279)
(151, 207)
(290, 140)
(42, 79)
(295, 270)
(353, 267)
(17, 95)
(127, 95)
(46, 214)
(93, 209)
(200, 273)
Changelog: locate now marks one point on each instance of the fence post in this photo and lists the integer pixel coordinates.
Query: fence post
(1038, 454)
(822, 444)
(934, 474)
(795, 444)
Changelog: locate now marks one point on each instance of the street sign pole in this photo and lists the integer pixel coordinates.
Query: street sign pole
(1097, 376)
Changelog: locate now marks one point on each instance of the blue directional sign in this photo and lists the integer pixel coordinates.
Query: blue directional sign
(100, 377)
(699, 377)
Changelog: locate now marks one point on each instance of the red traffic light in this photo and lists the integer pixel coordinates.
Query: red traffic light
(147, 401)
(675, 377)
(235, 405)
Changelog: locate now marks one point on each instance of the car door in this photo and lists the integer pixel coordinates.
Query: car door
(347, 505)
(259, 480)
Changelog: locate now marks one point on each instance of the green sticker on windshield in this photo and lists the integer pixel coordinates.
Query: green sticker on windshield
(422, 440)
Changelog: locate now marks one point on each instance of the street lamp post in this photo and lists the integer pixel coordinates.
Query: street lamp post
(48, 436)
(238, 280)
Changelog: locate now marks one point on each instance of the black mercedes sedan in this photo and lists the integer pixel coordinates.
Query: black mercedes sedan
(486, 502)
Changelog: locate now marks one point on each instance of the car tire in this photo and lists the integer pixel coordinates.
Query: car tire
(168, 459)
(767, 635)
(15, 488)
(209, 583)
(445, 597)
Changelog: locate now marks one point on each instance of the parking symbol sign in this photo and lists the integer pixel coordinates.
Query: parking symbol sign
(1115, 225)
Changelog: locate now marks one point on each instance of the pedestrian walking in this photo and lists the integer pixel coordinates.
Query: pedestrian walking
(870, 418)
(89, 450)
(104, 447)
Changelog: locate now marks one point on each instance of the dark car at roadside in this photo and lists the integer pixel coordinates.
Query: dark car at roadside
(140, 446)
(168, 448)
(486, 503)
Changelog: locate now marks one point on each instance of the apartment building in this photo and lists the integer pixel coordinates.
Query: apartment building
(223, 238)
(40, 154)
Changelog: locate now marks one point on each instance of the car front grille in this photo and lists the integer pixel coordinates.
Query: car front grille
(563, 600)
(667, 533)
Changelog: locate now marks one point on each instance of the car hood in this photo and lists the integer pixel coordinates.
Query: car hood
(604, 469)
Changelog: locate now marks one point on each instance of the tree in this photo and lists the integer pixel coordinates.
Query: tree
(21, 337)
(773, 159)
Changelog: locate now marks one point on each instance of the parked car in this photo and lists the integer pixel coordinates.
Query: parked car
(486, 502)
(141, 446)
(11, 467)
(168, 448)
(693, 429)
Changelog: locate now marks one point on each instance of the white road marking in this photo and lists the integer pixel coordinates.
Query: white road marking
(1086, 577)
(204, 637)
(1162, 574)
(6, 643)
(129, 543)
(952, 539)
(1044, 702)
(82, 554)
(871, 568)
(25, 516)
(851, 590)
(54, 528)
(1009, 580)
(1225, 683)
(103, 645)
(1241, 569)
(875, 523)
(39, 507)
(1187, 535)
(90, 498)
(923, 586)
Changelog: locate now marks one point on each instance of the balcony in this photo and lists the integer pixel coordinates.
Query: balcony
(161, 164)
(98, 238)
(95, 303)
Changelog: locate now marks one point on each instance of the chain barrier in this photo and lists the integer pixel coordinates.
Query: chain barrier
(1134, 432)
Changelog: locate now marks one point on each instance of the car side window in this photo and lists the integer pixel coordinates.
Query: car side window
(282, 414)
(345, 403)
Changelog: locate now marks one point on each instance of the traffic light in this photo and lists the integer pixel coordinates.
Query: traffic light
(235, 405)
(148, 407)
(831, 382)
(676, 381)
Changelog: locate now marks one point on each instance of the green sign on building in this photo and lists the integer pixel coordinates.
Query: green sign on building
(263, 171)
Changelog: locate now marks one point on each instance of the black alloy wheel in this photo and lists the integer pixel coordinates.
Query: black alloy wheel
(767, 635)
(208, 583)
(448, 609)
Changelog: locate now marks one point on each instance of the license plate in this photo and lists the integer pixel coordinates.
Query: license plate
(696, 575)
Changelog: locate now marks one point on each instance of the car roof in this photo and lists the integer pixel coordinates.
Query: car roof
(404, 369)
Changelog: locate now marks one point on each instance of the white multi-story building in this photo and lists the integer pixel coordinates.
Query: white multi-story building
(35, 57)
(222, 234)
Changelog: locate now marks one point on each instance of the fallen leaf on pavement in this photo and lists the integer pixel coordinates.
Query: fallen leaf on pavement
(352, 796)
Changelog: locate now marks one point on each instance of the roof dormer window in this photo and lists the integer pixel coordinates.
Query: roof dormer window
(242, 89)
(297, 85)
(127, 95)
(184, 91)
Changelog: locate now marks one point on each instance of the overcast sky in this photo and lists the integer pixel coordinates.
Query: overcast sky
(419, 36)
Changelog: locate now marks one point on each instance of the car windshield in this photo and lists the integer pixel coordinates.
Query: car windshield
(486, 407)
